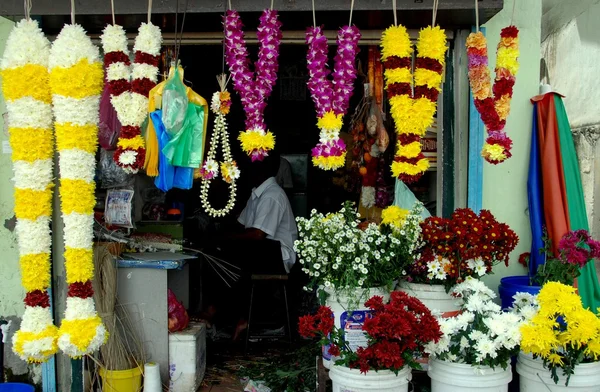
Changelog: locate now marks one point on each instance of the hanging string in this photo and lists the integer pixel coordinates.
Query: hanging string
(149, 10)
(272, 4)
(229, 1)
(512, 17)
(314, 14)
(72, 11)
(178, 43)
(351, 9)
(435, 9)
(112, 10)
(395, 16)
(477, 15)
(27, 5)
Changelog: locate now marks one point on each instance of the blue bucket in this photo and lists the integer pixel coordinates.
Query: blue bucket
(510, 285)
(16, 387)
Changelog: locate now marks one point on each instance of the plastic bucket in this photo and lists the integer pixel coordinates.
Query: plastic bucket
(352, 380)
(129, 380)
(454, 377)
(534, 377)
(433, 296)
(511, 285)
(349, 314)
(16, 387)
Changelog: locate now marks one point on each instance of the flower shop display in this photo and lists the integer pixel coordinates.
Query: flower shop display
(331, 96)
(466, 244)
(220, 106)
(254, 87)
(476, 347)
(24, 72)
(412, 95)
(395, 333)
(76, 81)
(129, 86)
(564, 338)
(493, 102)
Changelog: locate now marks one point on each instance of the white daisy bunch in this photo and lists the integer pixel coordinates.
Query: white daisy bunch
(482, 334)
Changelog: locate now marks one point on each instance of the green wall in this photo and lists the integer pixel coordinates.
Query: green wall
(505, 185)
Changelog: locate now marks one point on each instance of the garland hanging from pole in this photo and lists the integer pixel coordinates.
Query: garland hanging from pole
(24, 72)
(254, 87)
(76, 81)
(331, 97)
(220, 106)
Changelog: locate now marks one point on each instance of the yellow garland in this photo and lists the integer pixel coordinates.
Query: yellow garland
(79, 265)
(426, 77)
(397, 75)
(252, 140)
(82, 331)
(330, 121)
(77, 196)
(22, 338)
(31, 144)
(330, 162)
(507, 58)
(134, 143)
(79, 81)
(395, 41)
(83, 137)
(25, 81)
(30, 204)
(432, 44)
(35, 271)
(408, 168)
(410, 150)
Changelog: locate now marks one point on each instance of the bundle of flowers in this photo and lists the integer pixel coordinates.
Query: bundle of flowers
(466, 244)
(24, 72)
(482, 334)
(397, 333)
(494, 109)
(254, 87)
(335, 252)
(562, 333)
(331, 97)
(575, 250)
(76, 81)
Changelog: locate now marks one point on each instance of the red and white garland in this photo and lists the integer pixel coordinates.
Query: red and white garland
(130, 99)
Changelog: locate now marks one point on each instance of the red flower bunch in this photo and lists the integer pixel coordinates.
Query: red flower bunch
(466, 244)
(397, 333)
(578, 247)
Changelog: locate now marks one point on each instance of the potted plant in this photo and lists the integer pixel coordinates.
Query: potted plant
(476, 347)
(382, 356)
(575, 250)
(348, 262)
(465, 245)
(560, 344)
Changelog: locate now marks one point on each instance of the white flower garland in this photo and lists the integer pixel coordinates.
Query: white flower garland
(220, 104)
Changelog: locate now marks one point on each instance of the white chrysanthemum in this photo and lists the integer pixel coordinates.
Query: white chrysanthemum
(27, 112)
(140, 71)
(215, 103)
(148, 40)
(82, 232)
(33, 348)
(121, 103)
(329, 135)
(64, 343)
(34, 235)
(128, 157)
(26, 44)
(71, 46)
(36, 175)
(76, 164)
(117, 71)
(211, 166)
(367, 197)
(86, 113)
(234, 172)
(80, 308)
(137, 110)
(114, 39)
(35, 319)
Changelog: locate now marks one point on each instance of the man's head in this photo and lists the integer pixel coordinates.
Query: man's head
(260, 171)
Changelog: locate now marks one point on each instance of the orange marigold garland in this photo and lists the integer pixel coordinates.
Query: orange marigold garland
(494, 109)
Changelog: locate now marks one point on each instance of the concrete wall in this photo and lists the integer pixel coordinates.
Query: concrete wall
(505, 185)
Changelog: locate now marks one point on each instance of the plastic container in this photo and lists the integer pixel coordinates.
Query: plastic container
(129, 380)
(352, 380)
(350, 313)
(454, 377)
(510, 285)
(535, 378)
(16, 387)
(187, 358)
(433, 296)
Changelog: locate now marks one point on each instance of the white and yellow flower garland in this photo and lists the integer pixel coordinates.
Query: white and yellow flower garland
(24, 71)
(76, 81)
(220, 104)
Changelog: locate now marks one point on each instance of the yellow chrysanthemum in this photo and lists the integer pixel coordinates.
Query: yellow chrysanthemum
(555, 359)
(399, 168)
(81, 331)
(30, 80)
(329, 163)
(397, 75)
(538, 340)
(477, 40)
(432, 43)
(83, 137)
(421, 118)
(35, 271)
(32, 204)
(401, 107)
(395, 41)
(77, 196)
(134, 143)
(31, 144)
(410, 150)
(84, 79)
(79, 264)
(394, 215)
(493, 152)
(253, 140)
(330, 121)
(426, 77)
(507, 58)
(593, 349)
(46, 338)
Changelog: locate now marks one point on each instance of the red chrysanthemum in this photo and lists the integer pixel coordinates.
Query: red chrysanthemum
(142, 86)
(399, 89)
(397, 62)
(145, 58)
(37, 298)
(115, 57)
(81, 290)
(510, 31)
(430, 64)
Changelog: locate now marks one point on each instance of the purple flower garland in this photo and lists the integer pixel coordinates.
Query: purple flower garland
(331, 97)
(254, 88)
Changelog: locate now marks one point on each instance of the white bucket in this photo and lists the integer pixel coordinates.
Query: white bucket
(454, 377)
(352, 380)
(349, 314)
(534, 377)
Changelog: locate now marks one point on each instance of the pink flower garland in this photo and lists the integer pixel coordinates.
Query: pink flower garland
(331, 97)
(254, 88)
